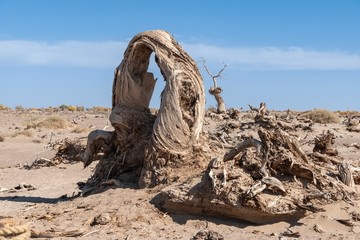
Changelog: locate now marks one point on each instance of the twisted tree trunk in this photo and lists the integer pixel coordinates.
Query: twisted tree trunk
(219, 100)
(142, 142)
(216, 90)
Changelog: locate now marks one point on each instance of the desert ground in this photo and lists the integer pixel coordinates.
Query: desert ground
(44, 194)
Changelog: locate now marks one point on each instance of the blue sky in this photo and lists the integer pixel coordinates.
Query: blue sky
(291, 54)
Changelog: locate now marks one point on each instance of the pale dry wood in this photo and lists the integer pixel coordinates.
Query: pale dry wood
(262, 110)
(346, 174)
(215, 90)
(325, 158)
(241, 147)
(325, 144)
(273, 183)
(97, 139)
(141, 140)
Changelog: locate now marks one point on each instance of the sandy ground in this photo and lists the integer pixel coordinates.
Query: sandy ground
(126, 212)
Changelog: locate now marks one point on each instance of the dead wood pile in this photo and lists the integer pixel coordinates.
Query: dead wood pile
(68, 151)
(143, 143)
(265, 179)
(353, 124)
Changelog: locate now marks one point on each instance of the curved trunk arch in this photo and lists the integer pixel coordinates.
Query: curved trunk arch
(141, 141)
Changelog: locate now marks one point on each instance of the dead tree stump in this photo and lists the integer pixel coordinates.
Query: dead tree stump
(325, 144)
(142, 142)
(215, 90)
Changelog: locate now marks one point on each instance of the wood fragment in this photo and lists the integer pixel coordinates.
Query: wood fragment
(325, 158)
(91, 232)
(273, 183)
(255, 189)
(242, 146)
(318, 229)
(346, 222)
(325, 144)
(290, 233)
(345, 174)
(54, 234)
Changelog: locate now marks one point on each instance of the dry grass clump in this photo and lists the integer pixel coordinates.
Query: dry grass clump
(54, 122)
(3, 107)
(98, 110)
(36, 141)
(19, 108)
(71, 108)
(347, 113)
(321, 116)
(25, 132)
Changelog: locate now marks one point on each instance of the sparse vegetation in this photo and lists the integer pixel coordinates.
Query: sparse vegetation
(26, 132)
(2, 138)
(19, 108)
(347, 113)
(3, 107)
(99, 110)
(321, 116)
(71, 108)
(63, 107)
(80, 108)
(54, 122)
(36, 141)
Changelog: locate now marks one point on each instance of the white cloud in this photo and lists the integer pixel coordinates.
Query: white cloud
(108, 54)
(272, 58)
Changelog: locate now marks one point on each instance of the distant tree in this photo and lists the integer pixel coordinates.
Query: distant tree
(215, 90)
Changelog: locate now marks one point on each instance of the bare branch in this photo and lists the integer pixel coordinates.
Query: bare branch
(206, 68)
(219, 74)
(214, 77)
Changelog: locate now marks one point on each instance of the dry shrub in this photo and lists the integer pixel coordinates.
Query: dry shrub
(19, 108)
(347, 113)
(53, 122)
(63, 107)
(322, 116)
(71, 108)
(2, 138)
(98, 110)
(80, 108)
(3, 107)
(26, 133)
(68, 151)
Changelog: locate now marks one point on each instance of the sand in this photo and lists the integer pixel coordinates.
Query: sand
(125, 212)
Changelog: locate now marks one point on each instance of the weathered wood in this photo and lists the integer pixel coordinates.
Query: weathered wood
(345, 174)
(96, 139)
(220, 101)
(242, 146)
(325, 158)
(325, 144)
(215, 90)
(141, 141)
